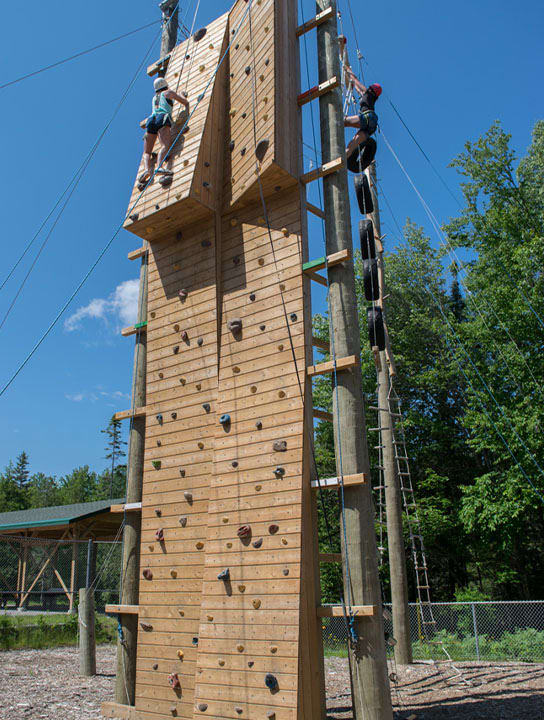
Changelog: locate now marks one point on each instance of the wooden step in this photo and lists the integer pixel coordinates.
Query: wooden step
(349, 480)
(328, 367)
(338, 610)
(322, 415)
(322, 171)
(315, 210)
(129, 507)
(127, 414)
(122, 609)
(135, 254)
(329, 261)
(314, 22)
(330, 557)
(133, 329)
(317, 91)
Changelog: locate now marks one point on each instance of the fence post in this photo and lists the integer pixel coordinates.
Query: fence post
(475, 631)
(87, 639)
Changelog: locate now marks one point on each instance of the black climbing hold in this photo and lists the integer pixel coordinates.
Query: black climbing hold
(376, 331)
(273, 529)
(199, 34)
(257, 543)
(195, 641)
(206, 164)
(200, 97)
(262, 328)
(244, 115)
(280, 446)
(259, 424)
(364, 197)
(206, 184)
(225, 575)
(187, 57)
(146, 627)
(366, 236)
(182, 472)
(207, 407)
(294, 317)
(370, 279)
(224, 419)
(251, 663)
(277, 188)
(362, 156)
(247, 70)
(200, 342)
(184, 335)
(232, 145)
(183, 521)
(267, 62)
(279, 472)
(271, 681)
(156, 666)
(202, 707)
(235, 325)
(242, 152)
(236, 259)
(159, 419)
(157, 207)
(176, 349)
(232, 75)
(148, 575)
(158, 512)
(271, 715)
(235, 463)
(134, 217)
(261, 149)
(286, 571)
(173, 415)
(252, 297)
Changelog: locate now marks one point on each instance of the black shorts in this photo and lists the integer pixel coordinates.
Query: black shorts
(156, 122)
(368, 122)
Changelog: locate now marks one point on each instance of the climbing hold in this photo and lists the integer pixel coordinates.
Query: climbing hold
(242, 588)
(221, 662)
(244, 532)
(210, 618)
(182, 472)
(281, 394)
(156, 666)
(159, 419)
(364, 196)
(267, 61)
(146, 627)
(206, 243)
(224, 419)
(183, 293)
(261, 261)
(285, 232)
(184, 335)
(286, 571)
(259, 424)
(253, 389)
(280, 446)
(271, 715)
(280, 347)
(262, 328)
(244, 115)
(273, 649)
(251, 663)
(235, 463)
(229, 545)
(188, 496)
(195, 642)
(200, 342)
(256, 604)
(199, 545)
(174, 682)
(293, 317)
(258, 488)
(148, 575)
(234, 325)
(159, 443)
(370, 279)
(134, 217)
(232, 145)
(240, 648)
(202, 68)
(362, 156)
(236, 369)
(279, 471)
(158, 512)
(202, 707)
(261, 149)
(252, 297)
(239, 710)
(271, 681)
(206, 164)
(366, 236)
(182, 381)
(159, 535)
(376, 330)
(201, 446)
(181, 654)
(243, 152)
(225, 520)
(284, 541)
(173, 573)
(236, 259)
(161, 375)
(233, 112)
(273, 529)
(183, 521)
(182, 613)
(258, 543)
(247, 70)
(207, 407)
(173, 710)
(156, 464)
(206, 184)
(174, 415)
(224, 575)
(176, 349)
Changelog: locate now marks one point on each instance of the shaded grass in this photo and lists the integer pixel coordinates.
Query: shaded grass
(47, 631)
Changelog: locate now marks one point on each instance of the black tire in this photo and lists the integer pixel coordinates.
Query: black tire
(364, 198)
(362, 156)
(370, 279)
(366, 236)
(376, 330)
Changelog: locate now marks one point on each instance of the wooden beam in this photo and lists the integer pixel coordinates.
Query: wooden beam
(338, 610)
(317, 91)
(322, 415)
(133, 329)
(326, 169)
(73, 571)
(314, 22)
(123, 609)
(321, 263)
(330, 557)
(161, 64)
(116, 710)
(135, 254)
(129, 507)
(321, 344)
(127, 414)
(360, 479)
(328, 367)
(24, 594)
(315, 210)
(316, 278)
(63, 585)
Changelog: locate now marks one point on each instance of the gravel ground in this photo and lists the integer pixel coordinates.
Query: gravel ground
(44, 685)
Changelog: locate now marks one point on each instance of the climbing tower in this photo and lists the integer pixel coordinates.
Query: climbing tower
(228, 607)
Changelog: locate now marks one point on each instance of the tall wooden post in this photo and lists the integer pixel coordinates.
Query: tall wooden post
(393, 499)
(170, 11)
(370, 682)
(73, 572)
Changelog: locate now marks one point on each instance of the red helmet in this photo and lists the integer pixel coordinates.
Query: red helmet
(376, 89)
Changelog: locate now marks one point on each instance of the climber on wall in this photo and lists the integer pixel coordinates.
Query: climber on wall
(160, 123)
(367, 121)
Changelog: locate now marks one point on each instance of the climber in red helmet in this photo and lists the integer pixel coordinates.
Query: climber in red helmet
(367, 120)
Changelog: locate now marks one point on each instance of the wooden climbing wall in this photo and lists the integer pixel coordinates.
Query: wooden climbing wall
(231, 498)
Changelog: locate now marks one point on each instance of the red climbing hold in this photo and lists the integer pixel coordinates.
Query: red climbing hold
(185, 336)
(183, 293)
(273, 529)
(146, 627)
(174, 682)
(148, 575)
(159, 535)
(244, 532)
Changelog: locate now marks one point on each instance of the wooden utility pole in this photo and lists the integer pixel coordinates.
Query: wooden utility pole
(170, 12)
(393, 498)
(370, 681)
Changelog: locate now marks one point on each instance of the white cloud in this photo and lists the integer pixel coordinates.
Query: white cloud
(78, 397)
(122, 305)
(93, 397)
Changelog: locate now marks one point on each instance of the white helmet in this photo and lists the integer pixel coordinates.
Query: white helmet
(160, 84)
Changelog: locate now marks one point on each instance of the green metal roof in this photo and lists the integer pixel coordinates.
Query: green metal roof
(58, 515)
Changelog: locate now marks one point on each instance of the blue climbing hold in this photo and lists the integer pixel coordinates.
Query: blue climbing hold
(271, 681)
(159, 419)
(224, 419)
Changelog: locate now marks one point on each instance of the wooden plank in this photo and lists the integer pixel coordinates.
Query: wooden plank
(128, 507)
(338, 610)
(128, 414)
(315, 210)
(328, 558)
(328, 367)
(314, 22)
(329, 261)
(326, 169)
(321, 344)
(316, 278)
(135, 254)
(161, 64)
(121, 712)
(318, 90)
(122, 609)
(322, 415)
(359, 479)
(133, 329)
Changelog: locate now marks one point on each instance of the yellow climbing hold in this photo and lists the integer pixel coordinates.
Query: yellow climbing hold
(240, 648)
(236, 369)
(284, 541)
(242, 588)
(229, 544)
(256, 604)
(273, 649)
(225, 519)
(281, 394)
(199, 545)
(261, 261)
(258, 488)
(202, 68)
(181, 654)
(253, 389)
(174, 573)
(201, 445)
(280, 348)
(221, 662)
(234, 222)
(210, 618)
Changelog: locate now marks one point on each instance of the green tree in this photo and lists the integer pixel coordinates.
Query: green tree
(114, 452)
(43, 491)
(79, 486)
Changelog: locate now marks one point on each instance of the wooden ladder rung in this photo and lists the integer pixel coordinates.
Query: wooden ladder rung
(338, 610)
(330, 557)
(329, 261)
(322, 171)
(127, 414)
(122, 609)
(133, 329)
(318, 90)
(321, 344)
(160, 64)
(315, 210)
(359, 479)
(322, 415)
(128, 507)
(314, 22)
(135, 254)
(328, 367)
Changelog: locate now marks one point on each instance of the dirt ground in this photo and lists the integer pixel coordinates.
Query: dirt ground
(44, 685)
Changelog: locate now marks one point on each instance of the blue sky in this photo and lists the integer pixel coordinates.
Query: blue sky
(450, 69)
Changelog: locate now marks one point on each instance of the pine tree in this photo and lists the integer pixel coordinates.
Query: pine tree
(21, 472)
(114, 447)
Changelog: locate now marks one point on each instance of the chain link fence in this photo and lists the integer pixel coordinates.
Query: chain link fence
(467, 630)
